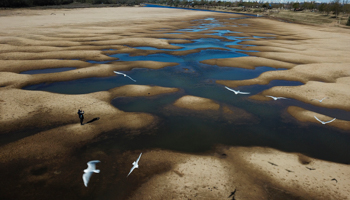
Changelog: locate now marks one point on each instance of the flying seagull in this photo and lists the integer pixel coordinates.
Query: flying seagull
(275, 98)
(319, 99)
(124, 75)
(136, 165)
(88, 172)
(236, 91)
(323, 121)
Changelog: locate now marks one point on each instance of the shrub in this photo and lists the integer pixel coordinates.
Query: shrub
(15, 3)
(348, 23)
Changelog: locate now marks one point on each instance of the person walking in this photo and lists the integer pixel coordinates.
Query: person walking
(81, 116)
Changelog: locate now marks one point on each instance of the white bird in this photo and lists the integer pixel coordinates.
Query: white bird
(276, 98)
(88, 172)
(136, 165)
(124, 75)
(320, 100)
(236, 91)
(323, 121)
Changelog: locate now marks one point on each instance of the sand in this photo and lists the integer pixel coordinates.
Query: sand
(254, 172)
(304, 115)
(200, 107)
(247, 62)
(52, 110)
(14, 80)
(336, 94)
(196, 103)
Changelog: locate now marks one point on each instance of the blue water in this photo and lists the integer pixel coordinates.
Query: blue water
(159, 6)
(194, 132)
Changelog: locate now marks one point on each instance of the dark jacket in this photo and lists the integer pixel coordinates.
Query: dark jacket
(81, 113)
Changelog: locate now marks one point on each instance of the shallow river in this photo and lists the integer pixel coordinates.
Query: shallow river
(188, 132)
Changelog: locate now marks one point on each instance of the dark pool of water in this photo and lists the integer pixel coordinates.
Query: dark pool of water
(45, 71)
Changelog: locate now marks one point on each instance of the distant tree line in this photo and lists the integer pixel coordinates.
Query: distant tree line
(25, 3)
(334, 7)
(123, 2)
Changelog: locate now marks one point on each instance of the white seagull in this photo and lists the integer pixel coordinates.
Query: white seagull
(319, 100)
(136, 165)
(236, 91)
(88, 172)
(124, 75)
(276, 98)
(323, 121)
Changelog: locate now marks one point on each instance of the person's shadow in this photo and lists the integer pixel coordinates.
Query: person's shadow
(94, 119)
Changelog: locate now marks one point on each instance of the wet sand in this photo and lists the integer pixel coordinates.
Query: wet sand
(36, 39)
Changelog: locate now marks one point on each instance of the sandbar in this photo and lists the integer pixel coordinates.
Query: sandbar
(304, 115)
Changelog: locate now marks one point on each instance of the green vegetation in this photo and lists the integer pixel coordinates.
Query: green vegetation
(25, 3)
(348, 23)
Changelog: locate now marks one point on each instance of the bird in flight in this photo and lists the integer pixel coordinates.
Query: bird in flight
(136, 165)
(276, 98)
(320, 100)
(236, 91)
(322, 122)
(124, 75)
(88, 172)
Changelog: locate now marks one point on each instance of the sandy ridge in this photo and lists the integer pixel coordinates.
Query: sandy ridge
(308, 116)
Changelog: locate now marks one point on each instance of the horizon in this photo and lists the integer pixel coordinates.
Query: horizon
(287, 1)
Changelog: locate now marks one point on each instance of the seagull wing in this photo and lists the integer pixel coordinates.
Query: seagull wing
(274, 98)
(330, 120)
(319, 120)
(323, 99)
(281, 98)
(138, 158)
(118, 72)
(243, 92)
(86, 178)
(232, 90)
(132, 169)
(131, 78)
(92, 165)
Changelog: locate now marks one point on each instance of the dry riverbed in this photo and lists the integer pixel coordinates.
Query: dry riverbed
(38, 39)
